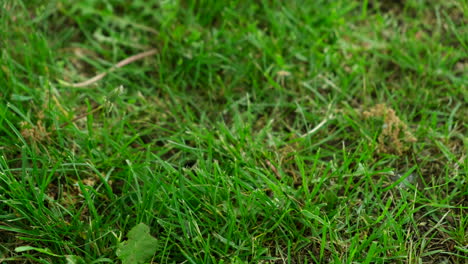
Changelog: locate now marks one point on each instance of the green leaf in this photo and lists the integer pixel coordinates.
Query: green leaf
(139, 247)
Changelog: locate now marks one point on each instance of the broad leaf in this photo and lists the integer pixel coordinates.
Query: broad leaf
(139, 247)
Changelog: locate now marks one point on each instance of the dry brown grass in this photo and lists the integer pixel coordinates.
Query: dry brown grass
(395, 135)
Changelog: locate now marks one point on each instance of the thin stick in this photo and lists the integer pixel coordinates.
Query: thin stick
(120, 64)
(273, 168)
(96, 108)
(93, 110)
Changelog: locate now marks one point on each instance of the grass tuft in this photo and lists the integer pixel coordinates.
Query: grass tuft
(250, 132)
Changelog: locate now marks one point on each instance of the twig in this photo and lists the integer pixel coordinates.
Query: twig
(273, 168)
(83, 115)
(120, 64)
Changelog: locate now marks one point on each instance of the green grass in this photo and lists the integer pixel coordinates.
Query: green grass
(260, 132)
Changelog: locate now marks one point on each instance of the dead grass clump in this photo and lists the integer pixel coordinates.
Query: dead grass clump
(395, 133)
(35, 132)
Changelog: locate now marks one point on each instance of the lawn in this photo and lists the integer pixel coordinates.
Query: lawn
(233, 131)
